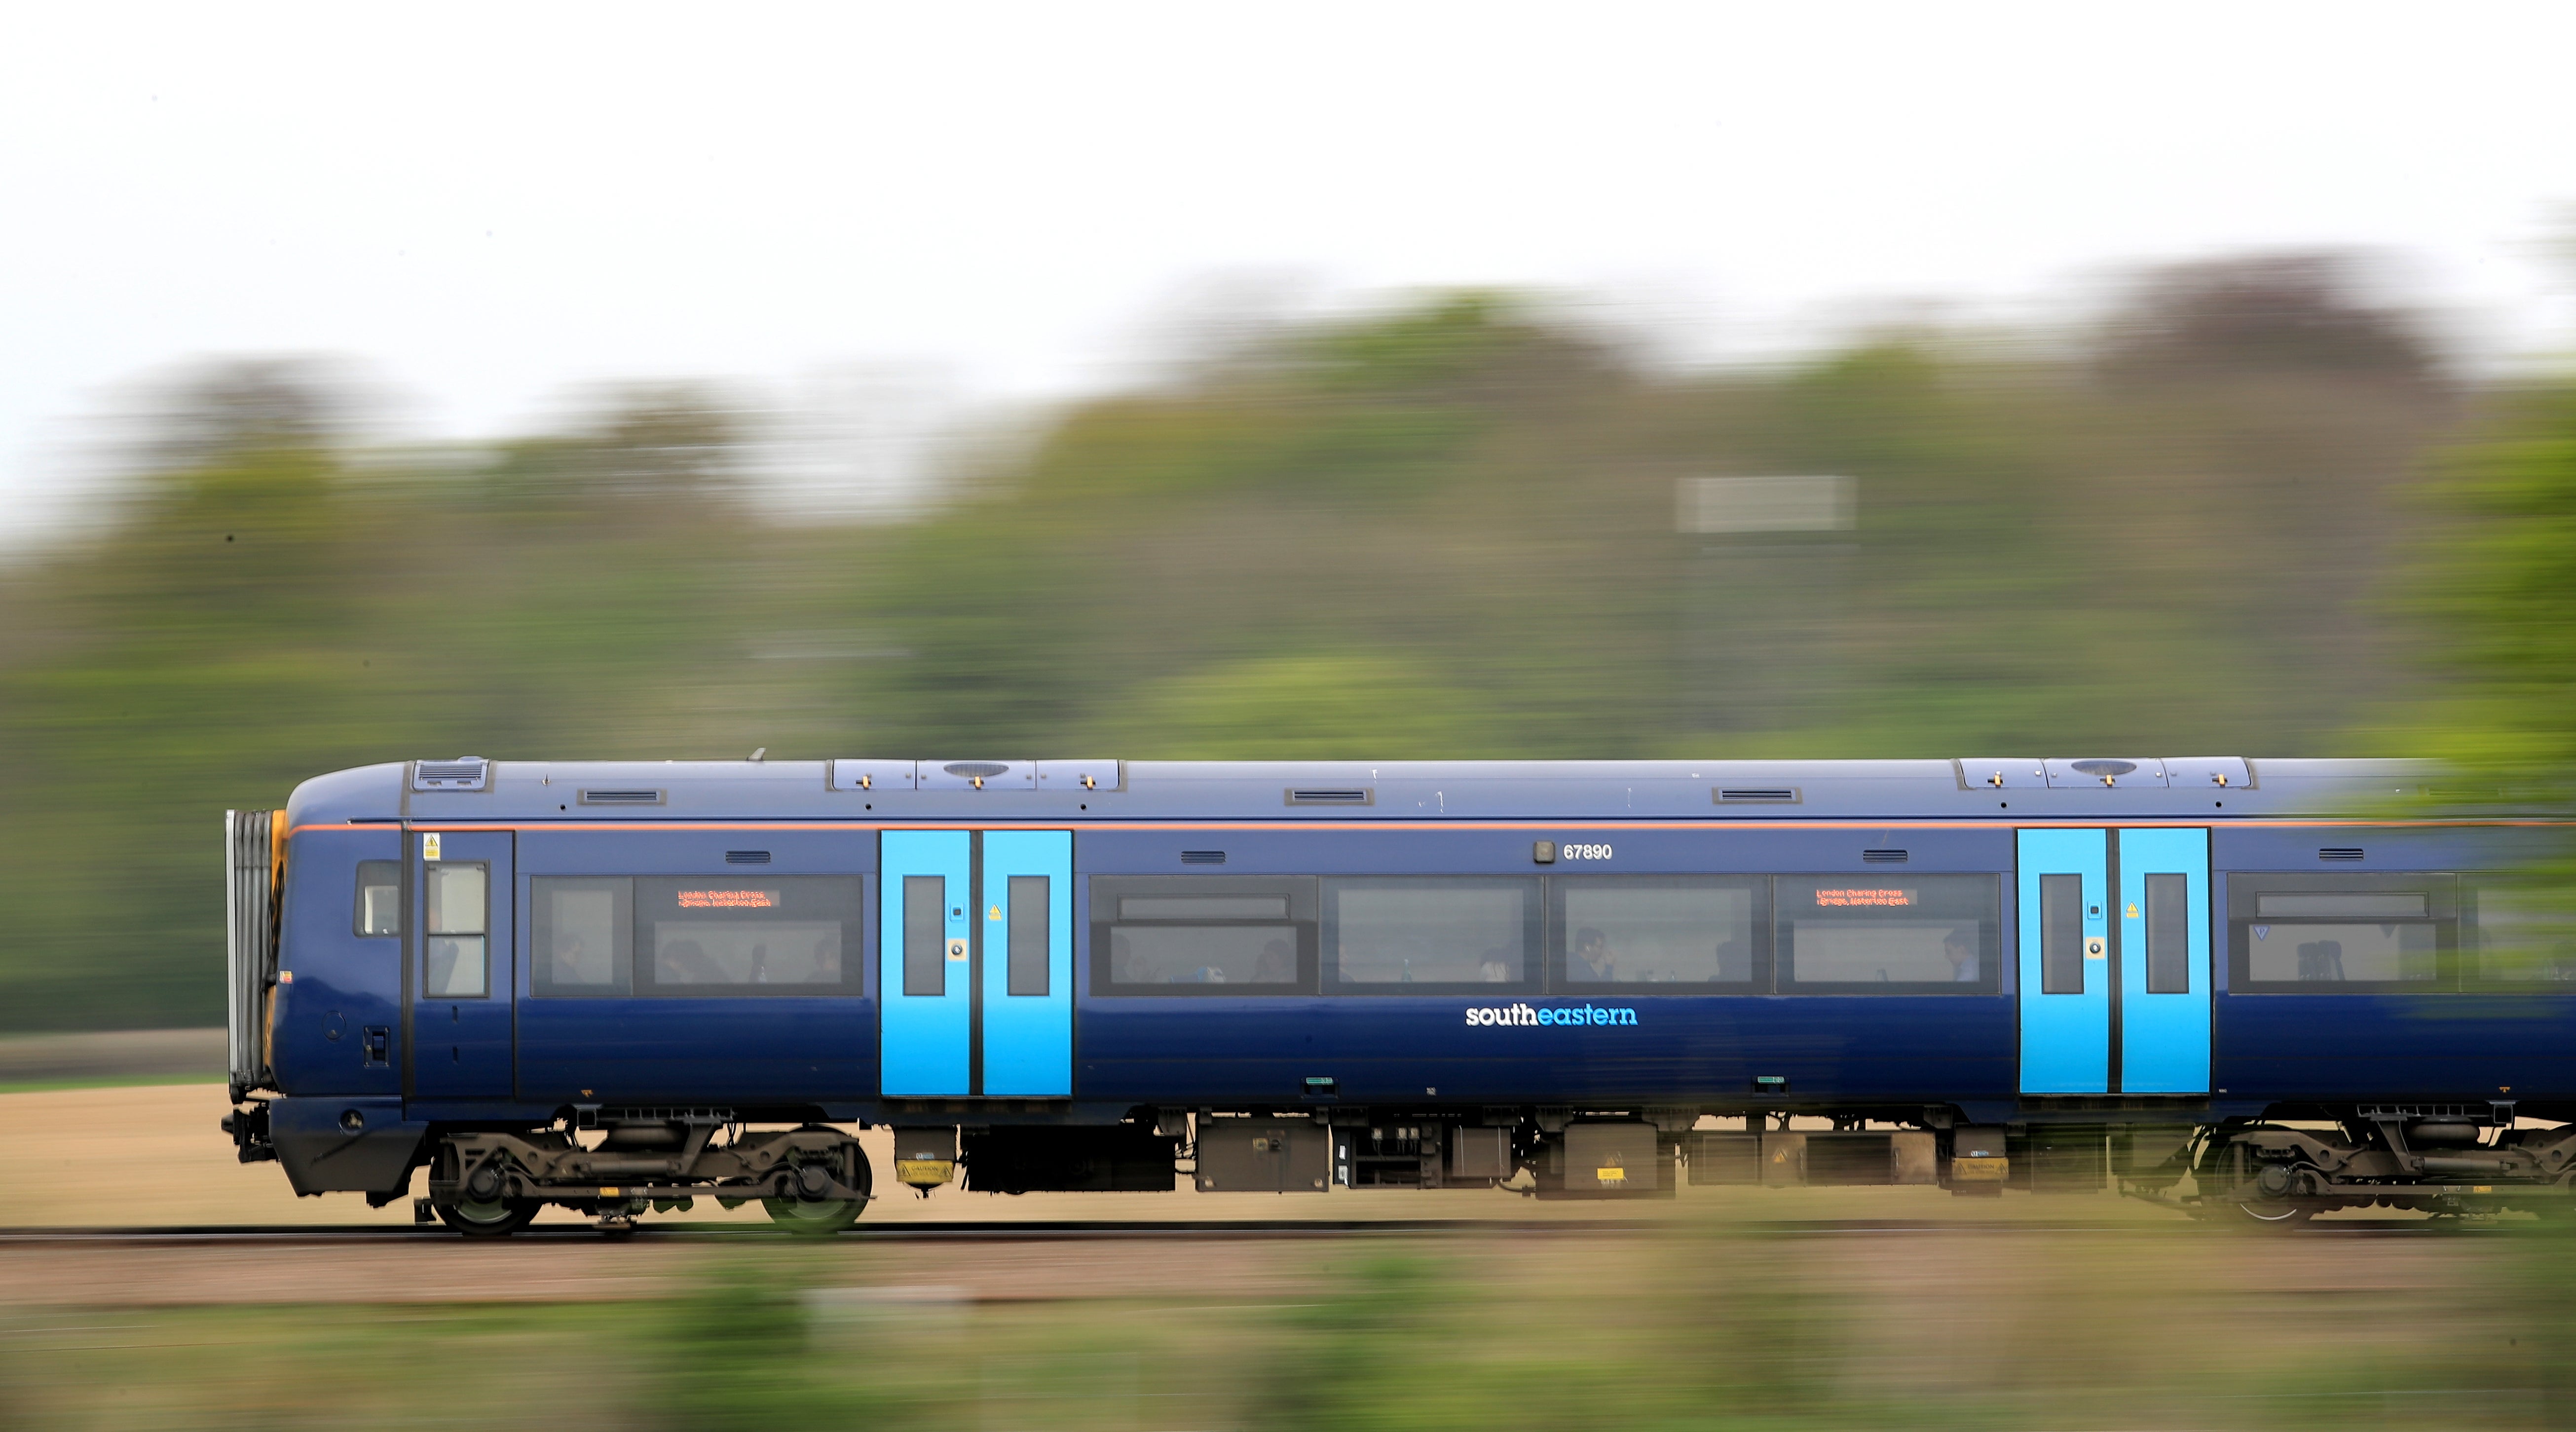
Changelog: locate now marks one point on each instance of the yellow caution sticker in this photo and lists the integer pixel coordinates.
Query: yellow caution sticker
(612, 1193)
(924, 1173)
(1979, 1170)
(429, 845)
(1611, 1175)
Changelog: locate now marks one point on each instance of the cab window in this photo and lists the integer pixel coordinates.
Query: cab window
(378, 910)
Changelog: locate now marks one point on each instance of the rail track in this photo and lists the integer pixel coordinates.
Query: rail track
(1195, 1230)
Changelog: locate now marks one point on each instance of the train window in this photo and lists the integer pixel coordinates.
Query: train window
(581, 935)
(925, 936)
(2168, 934)
(2341, 934)
(1656, 934)
(1028, 968)
(1924, 934)
(1203, 935)
(2061, 934)
(379, 905)
(2522, 935)
(699, 936)
(455, 956)
(2318, 952)
(1430, 935)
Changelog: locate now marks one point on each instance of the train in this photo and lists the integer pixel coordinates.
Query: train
(618, 987)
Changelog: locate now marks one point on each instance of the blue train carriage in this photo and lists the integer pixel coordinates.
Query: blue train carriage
(623, 986)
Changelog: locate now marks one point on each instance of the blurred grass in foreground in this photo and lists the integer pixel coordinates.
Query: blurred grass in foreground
(1703, 1327)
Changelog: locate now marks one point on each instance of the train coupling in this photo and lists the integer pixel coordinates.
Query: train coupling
(248, 1126)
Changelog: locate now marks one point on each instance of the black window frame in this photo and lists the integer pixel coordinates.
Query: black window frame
(358, 900)
(853, 981)
(541, 984)
(1989, 980)
(1533, 938)
(1559, 936)
(2245, 890)
(1301, 892)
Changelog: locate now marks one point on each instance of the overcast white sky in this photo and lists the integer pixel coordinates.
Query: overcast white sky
(494, 206)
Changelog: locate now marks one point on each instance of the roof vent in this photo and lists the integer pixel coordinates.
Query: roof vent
(2340, 852)
(1348, 795)
(1884, 857)
(978, 775)
(1756, 795)
(465, 773)
(621, 798)
(746, 857)
(1203, 857)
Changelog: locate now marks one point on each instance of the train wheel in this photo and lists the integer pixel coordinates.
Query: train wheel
(826, 1215)
(812, 1216)
(494, 1218)
(2278, 1212)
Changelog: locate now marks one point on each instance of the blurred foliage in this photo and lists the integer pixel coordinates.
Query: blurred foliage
(1442, 530)
(2063, 1326)
(2493, 587)
(2498, 582)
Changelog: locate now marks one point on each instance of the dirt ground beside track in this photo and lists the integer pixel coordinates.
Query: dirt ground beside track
(1921, 1269)
(153, 1157)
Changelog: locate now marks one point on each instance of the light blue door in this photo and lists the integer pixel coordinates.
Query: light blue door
(975, 963)
(2064, 964)
(1027, 959)
(2163, 950)
(925, 963)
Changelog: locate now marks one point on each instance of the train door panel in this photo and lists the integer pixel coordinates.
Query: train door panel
(924, 955)
(462, 965)
(1027, 964)
(976, 963)
(2164, 950)
(2064, 962)
(2115, 961)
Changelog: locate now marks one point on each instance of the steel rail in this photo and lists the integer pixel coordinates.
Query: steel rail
(1242, 1229)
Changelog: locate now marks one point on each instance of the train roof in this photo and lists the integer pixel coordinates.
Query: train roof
(470, 789)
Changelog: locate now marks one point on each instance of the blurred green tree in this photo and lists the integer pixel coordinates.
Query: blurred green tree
(1447, 528)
